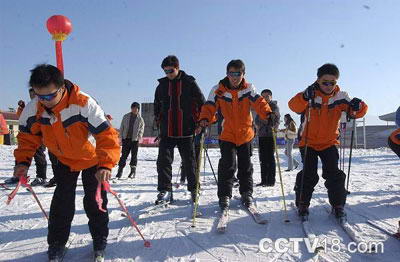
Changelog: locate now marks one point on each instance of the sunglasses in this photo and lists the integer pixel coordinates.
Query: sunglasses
(329, 83)
(234, 74)
(47, 97)
(169, 71)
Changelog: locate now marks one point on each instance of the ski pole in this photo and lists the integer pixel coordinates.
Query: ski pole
(23, 181)
(107, 188)
(308, 111)
(209, 161)
(280, 176)
(344, 146)
(197, 175)
(350, 155)
(204, 165)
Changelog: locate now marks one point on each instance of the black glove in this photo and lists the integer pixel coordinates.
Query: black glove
(21, 103)
(355, 104)
(309, 93)
(273, 117)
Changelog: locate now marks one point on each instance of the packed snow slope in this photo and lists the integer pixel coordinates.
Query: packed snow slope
(375, 196)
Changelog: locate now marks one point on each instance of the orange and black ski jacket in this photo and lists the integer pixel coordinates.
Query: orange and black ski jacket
(324, 117)
(397, 131)
(65, 131)
(234, 106)
(393, 136)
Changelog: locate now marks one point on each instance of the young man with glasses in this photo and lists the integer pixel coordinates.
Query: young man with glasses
(177, 103)
(233, 97)
(322, 104)
(266, 147)
(62, 118)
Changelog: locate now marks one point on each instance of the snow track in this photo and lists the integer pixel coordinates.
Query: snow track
(372, 208)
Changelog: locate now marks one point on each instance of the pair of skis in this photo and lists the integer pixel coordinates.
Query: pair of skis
(251, 210)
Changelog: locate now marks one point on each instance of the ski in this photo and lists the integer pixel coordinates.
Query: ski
(254, 213)
(258, 218)
(387, 232)
(348, 228)
(67, 245)
(152, 209)
(223, 221)
(308, 231)
(370, 222)
(3, 185)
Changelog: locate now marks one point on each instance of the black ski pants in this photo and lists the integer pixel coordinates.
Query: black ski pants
(395, 147)
(166, 157)
(227, 166)
(40, 162)
(129, 146)
(62, 207)
(266, 151)
(196, 159)
(334, 177)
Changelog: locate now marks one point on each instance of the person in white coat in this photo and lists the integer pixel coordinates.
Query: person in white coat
(131, 131)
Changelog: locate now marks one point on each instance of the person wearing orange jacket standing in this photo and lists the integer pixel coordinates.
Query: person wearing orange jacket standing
(234, 97)
(62, 118)
(322, 104)
(394, 138)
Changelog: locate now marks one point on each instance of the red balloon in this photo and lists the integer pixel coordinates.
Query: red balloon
(59, 25)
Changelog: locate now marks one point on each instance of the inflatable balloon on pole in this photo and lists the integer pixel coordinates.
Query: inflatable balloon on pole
(59, 27)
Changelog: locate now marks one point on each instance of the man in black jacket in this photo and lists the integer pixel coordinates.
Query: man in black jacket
(177, 105)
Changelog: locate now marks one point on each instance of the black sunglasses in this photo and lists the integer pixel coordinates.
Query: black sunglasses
(329, 83)
(47, 97)
(234, 74)
(169, 71)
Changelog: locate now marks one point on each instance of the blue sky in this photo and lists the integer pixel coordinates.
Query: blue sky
(116, 47)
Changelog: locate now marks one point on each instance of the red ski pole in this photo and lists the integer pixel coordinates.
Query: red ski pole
(23, 181)
(99, 200)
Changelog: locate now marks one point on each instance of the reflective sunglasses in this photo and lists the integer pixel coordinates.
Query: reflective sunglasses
(234, 74)
(169, 71)
(47, 97)
(329, 83)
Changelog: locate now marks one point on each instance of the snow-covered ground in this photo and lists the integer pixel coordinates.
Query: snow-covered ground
(375, 194)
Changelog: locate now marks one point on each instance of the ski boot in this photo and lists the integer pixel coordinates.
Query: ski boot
(120, 171)
(224, 203)
(12, 180)
(38, 182)
(55, 253)
(51, 183)
(164, 197)
(339, 213)
(132, 174)
(397, 235)
(246, 199)
(302, 211)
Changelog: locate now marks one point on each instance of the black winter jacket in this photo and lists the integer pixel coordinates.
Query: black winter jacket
(177, 105)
